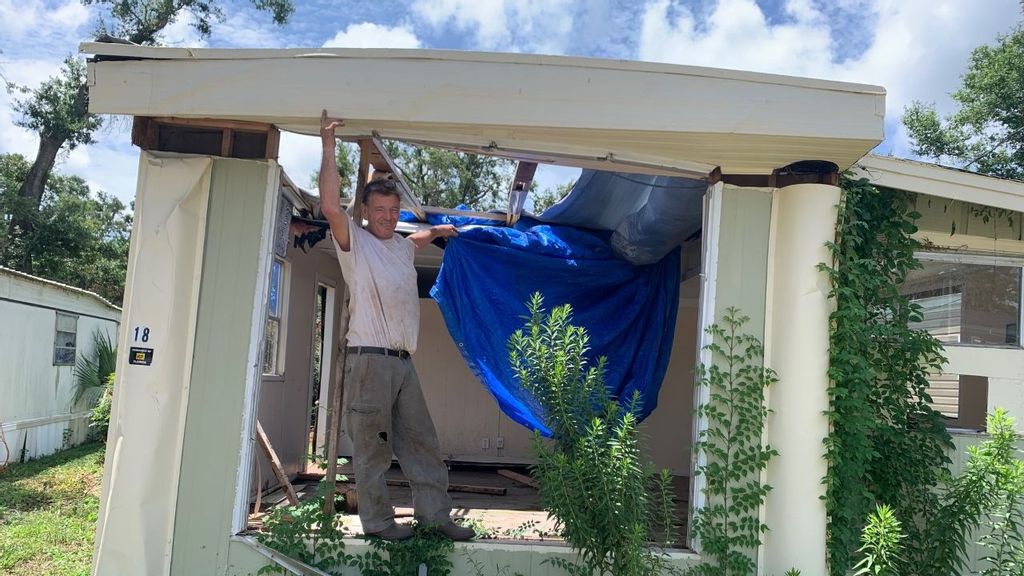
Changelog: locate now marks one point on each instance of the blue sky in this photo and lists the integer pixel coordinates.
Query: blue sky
(916, 49)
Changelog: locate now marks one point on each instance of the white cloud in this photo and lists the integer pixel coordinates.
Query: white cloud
(370, 35)
(22, 19)
(182, 32)
(736, 35)
(27, 72)
(918, 51)
(111, 165)
(250, 29)
(299, 156)
(541, 26)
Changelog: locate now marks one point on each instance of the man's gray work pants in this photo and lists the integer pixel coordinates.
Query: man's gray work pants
(386, 412)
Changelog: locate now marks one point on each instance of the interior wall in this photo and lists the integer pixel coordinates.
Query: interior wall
(668, 432)
(469, 423)
(284, 401)
(465, 414)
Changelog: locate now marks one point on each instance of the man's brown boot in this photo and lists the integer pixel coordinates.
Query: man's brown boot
(393, 533)
(456, 532)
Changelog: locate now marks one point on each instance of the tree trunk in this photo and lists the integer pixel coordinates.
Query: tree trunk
(31, 194)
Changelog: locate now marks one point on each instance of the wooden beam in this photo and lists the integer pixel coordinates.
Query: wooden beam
(519, 190)
(335, 391)
(412, 203)
(521, 478)
(273, 143)
(215, 123)
(467, 488)
(365, 149)
(226, 140)
(275, 464)
(144, 132)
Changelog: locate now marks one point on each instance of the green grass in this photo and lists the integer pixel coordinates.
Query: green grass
(48, 511)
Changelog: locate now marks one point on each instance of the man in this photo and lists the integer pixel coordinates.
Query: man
(383, 402)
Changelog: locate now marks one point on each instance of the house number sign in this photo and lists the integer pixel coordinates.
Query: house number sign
(140, 355)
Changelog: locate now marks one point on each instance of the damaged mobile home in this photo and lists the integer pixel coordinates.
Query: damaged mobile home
(234, 311)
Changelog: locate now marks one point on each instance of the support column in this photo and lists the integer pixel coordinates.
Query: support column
(796, 346)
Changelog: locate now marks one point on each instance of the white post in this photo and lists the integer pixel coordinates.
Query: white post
(796, 345)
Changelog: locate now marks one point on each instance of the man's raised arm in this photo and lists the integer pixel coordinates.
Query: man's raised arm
(330, 183)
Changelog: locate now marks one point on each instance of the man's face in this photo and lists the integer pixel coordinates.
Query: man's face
(381, 214)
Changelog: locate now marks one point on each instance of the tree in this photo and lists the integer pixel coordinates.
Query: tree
(345, 154)
(986, 133)
(59, 111)
(549, 196)
(140, 21)
(78, 237)
(445, 178)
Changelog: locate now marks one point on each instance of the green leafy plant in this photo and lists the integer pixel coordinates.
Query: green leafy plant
(99, 416)
(887, 444)
(307, 534)
(404, 558)
(880, 544)
(732, 450)
(482, 570)
(1004, 523)
(608, 503)
(988, 497)
(92, 373)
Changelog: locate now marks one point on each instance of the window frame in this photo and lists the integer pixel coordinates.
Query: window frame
(56, 333)
(973, 258)
(277, 370)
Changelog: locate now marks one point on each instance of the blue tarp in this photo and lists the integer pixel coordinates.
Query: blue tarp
(489, 273)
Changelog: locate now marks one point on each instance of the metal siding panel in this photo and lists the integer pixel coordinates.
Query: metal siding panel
(210, 457)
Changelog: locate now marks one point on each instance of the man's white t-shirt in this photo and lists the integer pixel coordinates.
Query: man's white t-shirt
(384, 305)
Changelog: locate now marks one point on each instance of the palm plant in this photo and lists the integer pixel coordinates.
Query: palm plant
(92, 373)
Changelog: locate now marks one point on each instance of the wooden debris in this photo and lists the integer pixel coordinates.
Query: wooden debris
(521, 478)
(275, 464)
(467, 488)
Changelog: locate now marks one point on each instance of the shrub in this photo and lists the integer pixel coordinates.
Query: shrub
(609, 504)
(880, 544)
(99, 416)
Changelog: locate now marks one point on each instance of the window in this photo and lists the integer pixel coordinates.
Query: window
(64, 339)
(961, 399)
(968, 299)
(273, 357)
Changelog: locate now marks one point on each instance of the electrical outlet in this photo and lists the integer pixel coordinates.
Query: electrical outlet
(499, 442)
(485, 443)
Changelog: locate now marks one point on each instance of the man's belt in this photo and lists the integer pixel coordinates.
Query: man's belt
(377, 350)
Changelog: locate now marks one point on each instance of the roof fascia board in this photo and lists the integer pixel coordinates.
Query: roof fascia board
(168, 53)
(934, 180)
(439, 92)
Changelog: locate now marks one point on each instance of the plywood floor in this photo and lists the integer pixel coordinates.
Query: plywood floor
(516, 515)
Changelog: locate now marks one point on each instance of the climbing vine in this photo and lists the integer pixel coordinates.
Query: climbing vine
(887, 445)
(734, 452)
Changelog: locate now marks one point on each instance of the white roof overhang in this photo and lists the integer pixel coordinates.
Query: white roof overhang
(942, 182)
(629, 116)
